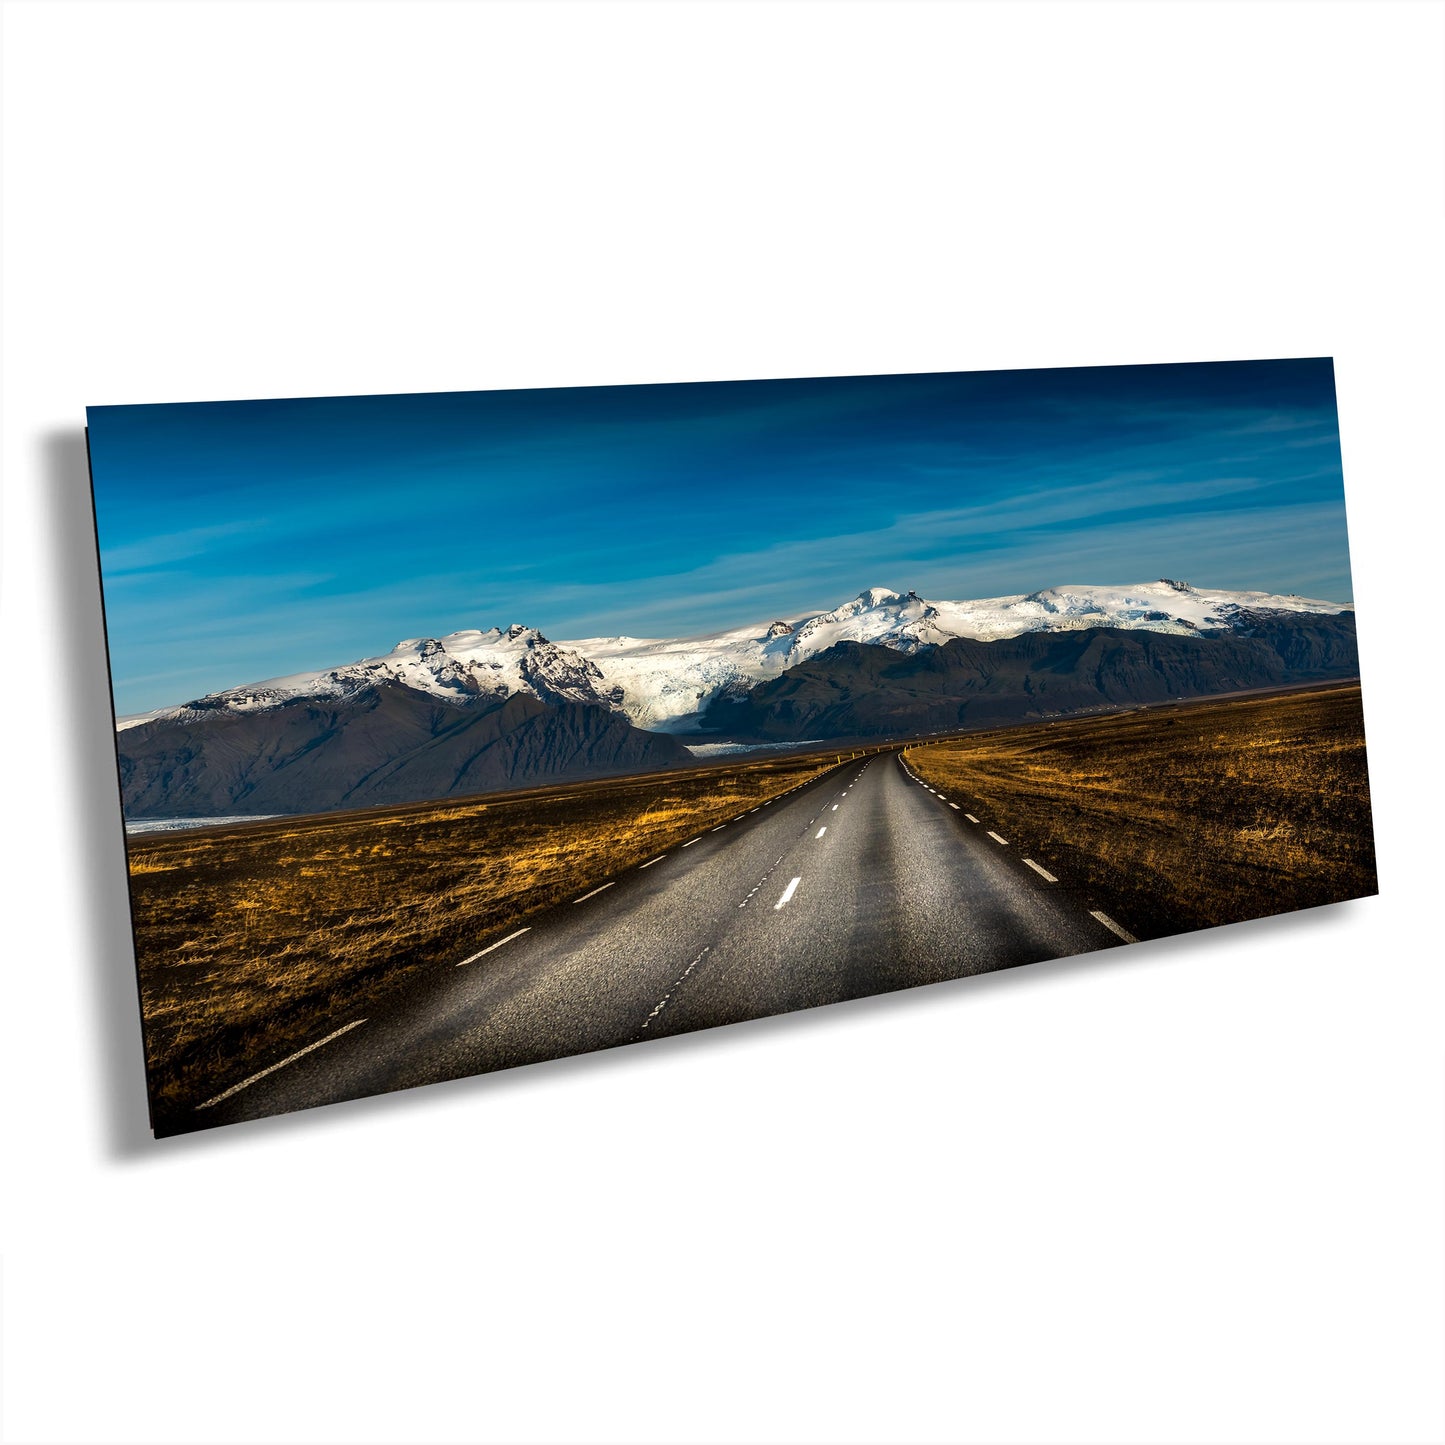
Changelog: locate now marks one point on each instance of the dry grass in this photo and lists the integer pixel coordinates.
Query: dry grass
(1184, 817)
(247, 936)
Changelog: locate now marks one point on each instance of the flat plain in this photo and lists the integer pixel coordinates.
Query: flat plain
(252, 941)
(1184, 816)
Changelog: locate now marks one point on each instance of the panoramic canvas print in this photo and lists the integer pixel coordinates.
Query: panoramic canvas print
(460, 731)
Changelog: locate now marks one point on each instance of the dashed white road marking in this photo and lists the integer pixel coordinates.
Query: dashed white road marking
(954, 806)
(497, 944)
(822, 830)
(787, 893)
(996, 838)
(289, 1059)
(835, 807)
(970, 817)
(1041, 871)
(1112, 926)
(691, 841)
(662, 1002)
(594, 892)
(719, 827)
(651, 861)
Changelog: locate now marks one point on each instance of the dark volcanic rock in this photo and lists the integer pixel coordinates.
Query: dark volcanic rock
(860, 690)
(386, 744)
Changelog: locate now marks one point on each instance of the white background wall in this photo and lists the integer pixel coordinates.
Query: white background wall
(1188, 1193)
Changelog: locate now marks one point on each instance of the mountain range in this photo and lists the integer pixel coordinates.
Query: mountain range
(858, 691)
(666, 684)
(382, 744)
(475, 711)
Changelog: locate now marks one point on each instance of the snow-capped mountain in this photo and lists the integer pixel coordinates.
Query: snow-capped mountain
(665, 683)
(459, 666)
(908, 622)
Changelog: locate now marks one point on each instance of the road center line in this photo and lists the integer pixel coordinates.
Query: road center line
(1042, 872)
(497, 944)
(996, 838)
(594, 892)
(651, 861)
(787, 893)
(822, 830)
(662, 1002)
(1112, 926)
(290, 1059)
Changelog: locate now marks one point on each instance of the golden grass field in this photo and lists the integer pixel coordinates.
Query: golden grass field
(245, 936)
(1182, 817)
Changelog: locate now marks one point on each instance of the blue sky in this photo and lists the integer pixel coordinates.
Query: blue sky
(243, 540)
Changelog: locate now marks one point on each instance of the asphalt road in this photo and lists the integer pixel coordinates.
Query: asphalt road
(860, 882)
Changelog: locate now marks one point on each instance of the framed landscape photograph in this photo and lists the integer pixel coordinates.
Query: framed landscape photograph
(457, 731)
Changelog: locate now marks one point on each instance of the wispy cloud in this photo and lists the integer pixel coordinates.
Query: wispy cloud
(163, 548)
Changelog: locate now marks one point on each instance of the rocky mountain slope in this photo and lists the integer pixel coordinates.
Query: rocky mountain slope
(384, 742)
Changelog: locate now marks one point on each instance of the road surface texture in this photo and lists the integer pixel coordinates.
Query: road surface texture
(861, 881)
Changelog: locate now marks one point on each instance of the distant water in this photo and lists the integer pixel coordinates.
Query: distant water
(176, 825)
(718, 750)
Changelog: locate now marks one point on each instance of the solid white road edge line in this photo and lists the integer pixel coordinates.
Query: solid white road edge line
(290, 1059)
(594, 892)
(1112, 926)
(497, 944)
(1042, 872)
(787, 893)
